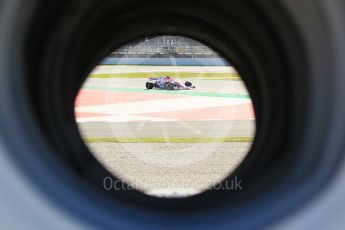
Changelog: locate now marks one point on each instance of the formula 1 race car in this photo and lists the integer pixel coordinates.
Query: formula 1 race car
(168, 83)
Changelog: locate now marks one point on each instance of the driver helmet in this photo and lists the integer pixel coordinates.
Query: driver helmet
(168, 79)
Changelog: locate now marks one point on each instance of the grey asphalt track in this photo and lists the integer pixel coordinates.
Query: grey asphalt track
(185, 129)
(170, 169)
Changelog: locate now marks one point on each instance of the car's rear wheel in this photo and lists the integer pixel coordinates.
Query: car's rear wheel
(149, 85)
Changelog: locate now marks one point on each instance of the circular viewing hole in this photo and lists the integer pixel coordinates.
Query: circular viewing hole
(167, 115)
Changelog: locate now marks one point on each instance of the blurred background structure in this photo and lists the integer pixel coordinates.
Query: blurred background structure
(165, 47)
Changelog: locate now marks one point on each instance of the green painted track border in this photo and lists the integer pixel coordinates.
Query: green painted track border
(167, 140)
(172, 92)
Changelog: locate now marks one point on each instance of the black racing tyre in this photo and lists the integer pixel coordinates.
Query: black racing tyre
(291, 55)
(188, 84)
(149, 85)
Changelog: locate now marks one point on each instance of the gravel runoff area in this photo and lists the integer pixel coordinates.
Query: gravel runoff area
(171, 169)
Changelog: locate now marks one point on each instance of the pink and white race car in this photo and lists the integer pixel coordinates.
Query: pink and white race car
(168, 83)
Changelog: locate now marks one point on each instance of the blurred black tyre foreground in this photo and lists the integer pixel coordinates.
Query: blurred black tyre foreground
(291, 55)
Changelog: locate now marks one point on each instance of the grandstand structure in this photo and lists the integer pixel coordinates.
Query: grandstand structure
(165, 47)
